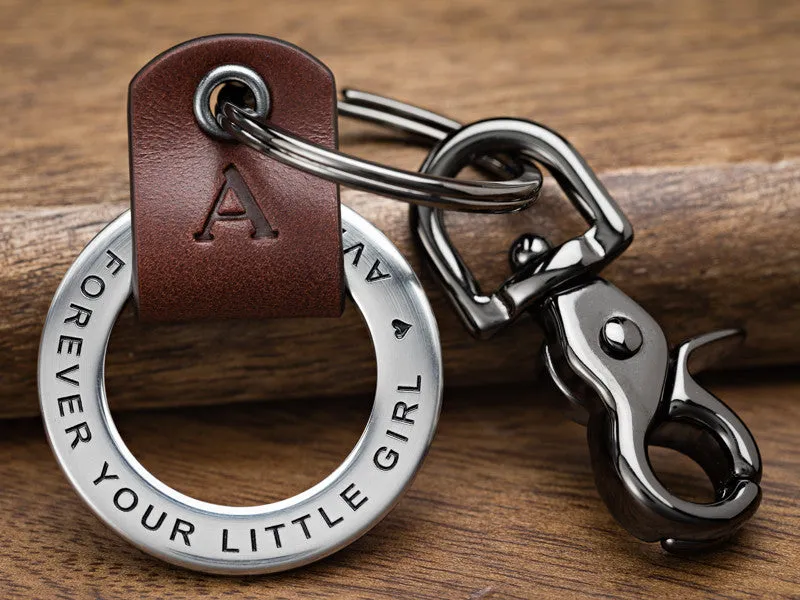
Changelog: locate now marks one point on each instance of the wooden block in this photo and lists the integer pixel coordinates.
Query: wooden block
(692, 265)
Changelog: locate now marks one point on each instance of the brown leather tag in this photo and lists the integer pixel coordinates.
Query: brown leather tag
(221, 231)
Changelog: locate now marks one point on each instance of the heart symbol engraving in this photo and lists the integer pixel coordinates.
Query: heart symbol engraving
(400, 328)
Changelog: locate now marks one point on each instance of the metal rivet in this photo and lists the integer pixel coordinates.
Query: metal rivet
(620, 338)
(218, 76)
(526, 248)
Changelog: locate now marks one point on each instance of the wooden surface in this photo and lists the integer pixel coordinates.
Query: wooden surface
(504, 506)
(687, 110)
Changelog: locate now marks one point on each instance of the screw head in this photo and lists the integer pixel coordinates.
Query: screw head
(620, 338)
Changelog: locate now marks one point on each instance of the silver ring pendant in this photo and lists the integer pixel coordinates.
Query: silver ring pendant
(225, 539)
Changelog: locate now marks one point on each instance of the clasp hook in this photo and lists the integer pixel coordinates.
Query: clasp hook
(644, 395)
(641, 394)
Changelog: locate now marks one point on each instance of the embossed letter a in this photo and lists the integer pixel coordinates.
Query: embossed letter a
(250, 210)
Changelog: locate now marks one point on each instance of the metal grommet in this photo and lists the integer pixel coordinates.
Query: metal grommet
(218, 76)
(233, 539)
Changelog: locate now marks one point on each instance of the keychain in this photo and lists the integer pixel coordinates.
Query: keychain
(602, 350)
(236, 215)
(218, 230)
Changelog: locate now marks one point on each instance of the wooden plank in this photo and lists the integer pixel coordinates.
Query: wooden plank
(693, 265)
(504, 506)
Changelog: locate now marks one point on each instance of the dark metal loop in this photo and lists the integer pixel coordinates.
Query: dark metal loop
(424, 125)
(418, 188)
(609, 231)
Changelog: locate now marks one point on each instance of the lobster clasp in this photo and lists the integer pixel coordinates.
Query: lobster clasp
(643, 396)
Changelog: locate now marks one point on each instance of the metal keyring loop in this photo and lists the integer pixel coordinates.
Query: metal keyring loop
(428, 127)
(426, 190)
(240, 539)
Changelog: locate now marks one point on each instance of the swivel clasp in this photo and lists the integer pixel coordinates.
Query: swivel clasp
(633, 392)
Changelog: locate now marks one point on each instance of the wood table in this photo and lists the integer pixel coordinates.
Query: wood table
(688, 110)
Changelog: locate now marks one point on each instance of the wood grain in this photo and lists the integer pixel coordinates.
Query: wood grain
(686, 267)
(687, 110)
(504, 506)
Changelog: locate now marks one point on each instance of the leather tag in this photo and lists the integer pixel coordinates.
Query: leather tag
(219, 230)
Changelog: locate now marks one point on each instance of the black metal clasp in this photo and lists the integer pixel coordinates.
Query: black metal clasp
(634, 392)
(639, 394)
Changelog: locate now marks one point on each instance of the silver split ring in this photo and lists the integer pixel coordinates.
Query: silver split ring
(410, 186)
(249, 126)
